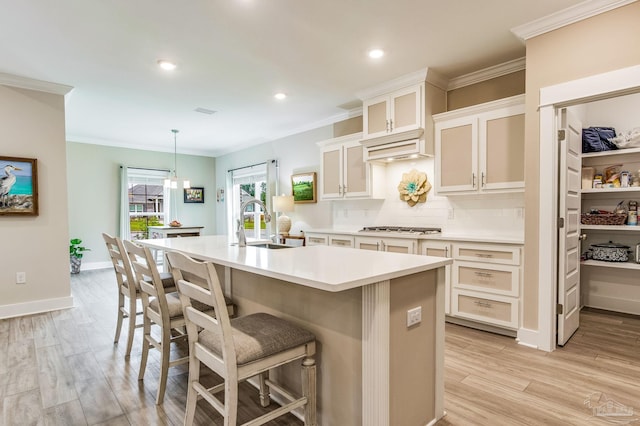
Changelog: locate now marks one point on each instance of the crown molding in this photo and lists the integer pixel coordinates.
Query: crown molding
(31, 84)
(567, 16)
(392, 85)
(487, 73)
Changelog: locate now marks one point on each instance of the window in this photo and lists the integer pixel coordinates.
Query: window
(245, 184)
(145, 201)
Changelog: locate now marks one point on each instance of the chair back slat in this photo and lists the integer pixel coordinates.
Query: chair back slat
(187, 270)
(147, 275)
(120, 261)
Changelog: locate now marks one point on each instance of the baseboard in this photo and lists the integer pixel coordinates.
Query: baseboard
(89, 266)
(35, 307)
(627, 306)
(527, 337)
(480, 326)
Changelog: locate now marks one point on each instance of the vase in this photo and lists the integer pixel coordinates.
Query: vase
(75, 264)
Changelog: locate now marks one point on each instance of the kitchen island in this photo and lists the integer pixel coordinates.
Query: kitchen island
(372, 368)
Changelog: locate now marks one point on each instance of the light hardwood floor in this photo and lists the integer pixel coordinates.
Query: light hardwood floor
(61, 368)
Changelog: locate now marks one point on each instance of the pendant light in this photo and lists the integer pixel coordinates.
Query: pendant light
(172, 182)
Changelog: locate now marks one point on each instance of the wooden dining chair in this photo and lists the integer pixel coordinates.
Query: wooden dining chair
(162, 307)
(128, 293)
(240, 348)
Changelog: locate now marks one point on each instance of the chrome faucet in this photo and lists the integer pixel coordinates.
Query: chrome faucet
(242, 239)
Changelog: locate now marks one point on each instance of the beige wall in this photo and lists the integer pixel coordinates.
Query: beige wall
(347, 127)
(599, 44)
(489, 90)
(32, 125)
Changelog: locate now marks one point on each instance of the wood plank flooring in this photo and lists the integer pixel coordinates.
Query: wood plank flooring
(62, 368)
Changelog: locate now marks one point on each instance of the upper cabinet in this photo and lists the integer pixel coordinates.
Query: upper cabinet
(397, 119)
(393, 113)
(345, 174)
(480, 149)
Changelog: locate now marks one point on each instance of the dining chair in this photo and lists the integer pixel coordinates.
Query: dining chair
(239, 348)
(162, 307)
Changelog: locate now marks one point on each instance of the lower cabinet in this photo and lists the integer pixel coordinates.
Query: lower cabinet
(485, 283)
(394, 245)
(341, 241)
(440, 249)
(317, 239)
(489, 308)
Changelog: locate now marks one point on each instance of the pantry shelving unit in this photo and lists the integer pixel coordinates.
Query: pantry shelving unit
(607, 198)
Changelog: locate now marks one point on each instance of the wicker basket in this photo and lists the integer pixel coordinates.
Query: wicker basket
(603, 219)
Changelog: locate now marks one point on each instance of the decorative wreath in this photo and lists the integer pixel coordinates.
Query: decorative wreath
(413, 187)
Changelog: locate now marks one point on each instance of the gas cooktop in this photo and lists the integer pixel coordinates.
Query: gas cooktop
(401, 229)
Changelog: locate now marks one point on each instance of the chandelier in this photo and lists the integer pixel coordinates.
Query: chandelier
(172, 182)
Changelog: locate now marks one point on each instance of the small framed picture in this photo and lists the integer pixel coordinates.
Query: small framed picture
(18, 186)
(304, 187)
(194, 195)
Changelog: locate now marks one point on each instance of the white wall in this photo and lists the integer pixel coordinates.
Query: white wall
(32, 125)
(94, 192)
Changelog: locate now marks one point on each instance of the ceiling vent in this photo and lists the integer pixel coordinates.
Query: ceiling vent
(205, 111)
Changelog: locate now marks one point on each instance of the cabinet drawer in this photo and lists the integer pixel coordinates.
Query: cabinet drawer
(487, 253)
(341, 241)
(317, 240)
(497, 279)
(496, 310)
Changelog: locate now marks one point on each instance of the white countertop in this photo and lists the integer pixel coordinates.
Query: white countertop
(321, 267)
(475, 238)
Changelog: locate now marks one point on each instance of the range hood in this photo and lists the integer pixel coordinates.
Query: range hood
(398, 146)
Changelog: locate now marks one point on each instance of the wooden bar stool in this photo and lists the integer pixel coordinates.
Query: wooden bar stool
(240, 348)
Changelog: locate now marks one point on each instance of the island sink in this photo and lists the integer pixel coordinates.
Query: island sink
(270, 246)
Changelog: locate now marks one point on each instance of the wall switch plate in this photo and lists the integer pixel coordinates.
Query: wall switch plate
(21, 277)
(414, 316)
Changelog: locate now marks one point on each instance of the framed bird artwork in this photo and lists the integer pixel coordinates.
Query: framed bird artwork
(18, 186)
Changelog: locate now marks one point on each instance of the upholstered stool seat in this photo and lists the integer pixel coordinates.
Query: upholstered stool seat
(175, 307)
(258, 336)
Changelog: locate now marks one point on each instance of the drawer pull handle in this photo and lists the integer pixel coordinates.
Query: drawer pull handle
(484, 255)
(484, 274)
(482, 304)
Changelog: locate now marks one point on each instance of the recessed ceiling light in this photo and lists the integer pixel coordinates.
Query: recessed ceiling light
(280, 96)
(166, 65)
(376, 53)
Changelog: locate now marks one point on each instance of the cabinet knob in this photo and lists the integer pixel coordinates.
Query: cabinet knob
(582, 237)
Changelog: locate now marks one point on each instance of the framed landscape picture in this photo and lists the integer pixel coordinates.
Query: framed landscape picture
(194, 195)
(304, 187)
(18, 186)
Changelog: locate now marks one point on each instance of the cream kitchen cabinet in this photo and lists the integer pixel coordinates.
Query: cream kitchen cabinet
(395, 245)
(440, 249)
(344, 173)
(485, 283)
(341, 241)
(396, 112)
(316, 239)
(480, 149)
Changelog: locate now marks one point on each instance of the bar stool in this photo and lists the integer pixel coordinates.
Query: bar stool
(240, 348)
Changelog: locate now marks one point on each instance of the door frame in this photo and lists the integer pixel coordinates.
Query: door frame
(607, 85)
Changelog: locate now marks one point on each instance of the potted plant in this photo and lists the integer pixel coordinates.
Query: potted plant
(75, 254)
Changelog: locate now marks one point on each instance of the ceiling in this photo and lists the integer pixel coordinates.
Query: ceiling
(234, 55)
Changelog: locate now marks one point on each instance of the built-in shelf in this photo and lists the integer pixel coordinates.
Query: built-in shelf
(607, 190)
(613, 152)
(620, 265)
(625, 228)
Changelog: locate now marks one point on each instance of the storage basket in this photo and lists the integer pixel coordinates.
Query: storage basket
(603, 219)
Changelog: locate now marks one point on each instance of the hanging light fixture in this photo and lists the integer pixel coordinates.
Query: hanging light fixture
(172, 182)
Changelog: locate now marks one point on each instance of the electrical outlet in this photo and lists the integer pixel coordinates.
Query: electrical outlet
(451, 215)
(414, 316)
(21, 277)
